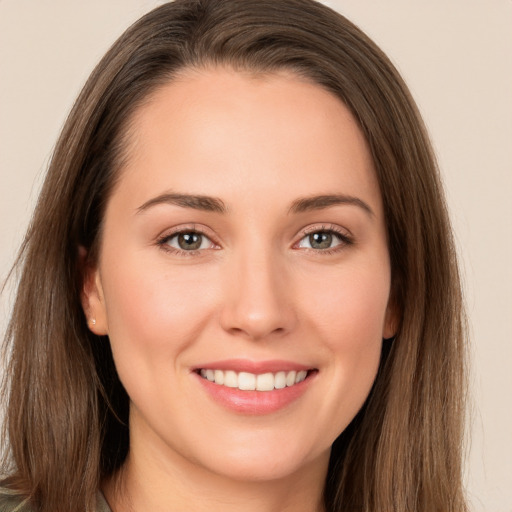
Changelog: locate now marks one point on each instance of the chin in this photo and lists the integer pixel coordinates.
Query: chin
(258, 463)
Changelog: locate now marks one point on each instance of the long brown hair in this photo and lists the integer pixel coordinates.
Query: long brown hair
(67, 412)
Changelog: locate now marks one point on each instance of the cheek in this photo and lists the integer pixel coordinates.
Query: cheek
(153, 311)
(348, 318)
(350, 307)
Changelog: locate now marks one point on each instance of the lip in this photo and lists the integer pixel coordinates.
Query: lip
(254, 402)
(258, 367)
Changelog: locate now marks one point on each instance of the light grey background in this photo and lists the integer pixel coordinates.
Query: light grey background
(456, 56)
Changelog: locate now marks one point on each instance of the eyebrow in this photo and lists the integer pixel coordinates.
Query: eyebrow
(306, 204)
(197, 202)
(214, 204)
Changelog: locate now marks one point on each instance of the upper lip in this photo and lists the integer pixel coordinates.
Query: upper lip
(250, 366)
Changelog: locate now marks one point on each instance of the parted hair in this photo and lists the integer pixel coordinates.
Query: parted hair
(66, 417)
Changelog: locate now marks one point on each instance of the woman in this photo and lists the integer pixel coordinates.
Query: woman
(239, 289)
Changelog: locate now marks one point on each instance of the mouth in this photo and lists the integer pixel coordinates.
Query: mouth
(246, 381)
(255, 387)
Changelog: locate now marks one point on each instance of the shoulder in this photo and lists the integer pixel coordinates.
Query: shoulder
(101, 503)
(10, 502)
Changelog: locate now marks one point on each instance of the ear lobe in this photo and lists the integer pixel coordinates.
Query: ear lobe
(91, 296)
(391, 320)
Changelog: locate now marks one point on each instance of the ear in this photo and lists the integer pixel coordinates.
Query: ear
(91, 296)
(391, 320)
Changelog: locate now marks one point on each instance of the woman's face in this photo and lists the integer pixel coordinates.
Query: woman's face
(245, 243)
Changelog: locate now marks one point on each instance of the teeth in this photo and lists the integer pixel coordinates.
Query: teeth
(246, 381)
(290, 378)
(265, 382)
(230, 379)
(300, 376)
(219, 376)
(280, 380)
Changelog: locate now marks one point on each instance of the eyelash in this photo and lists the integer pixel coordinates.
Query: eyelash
(344, 239)
(163, 241)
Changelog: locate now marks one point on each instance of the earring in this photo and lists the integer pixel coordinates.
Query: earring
(93, 321)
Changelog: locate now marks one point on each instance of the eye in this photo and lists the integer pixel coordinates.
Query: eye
(187, 241)
(323, 239)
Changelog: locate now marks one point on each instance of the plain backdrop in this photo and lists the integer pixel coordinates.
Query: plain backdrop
(456, 56)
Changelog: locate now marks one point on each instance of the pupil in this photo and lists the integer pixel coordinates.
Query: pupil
(189, 241)
(320, 240)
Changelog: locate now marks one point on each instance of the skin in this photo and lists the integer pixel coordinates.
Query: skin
(256, 289)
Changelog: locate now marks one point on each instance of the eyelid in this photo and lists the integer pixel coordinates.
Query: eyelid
(313, 228)
(166, 235)
(346, 238)
(344, 235)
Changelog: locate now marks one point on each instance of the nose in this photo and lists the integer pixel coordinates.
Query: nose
(257, 297)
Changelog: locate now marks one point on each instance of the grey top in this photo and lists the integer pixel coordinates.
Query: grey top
(12, 503)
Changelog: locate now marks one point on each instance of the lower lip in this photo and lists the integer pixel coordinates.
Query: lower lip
(255, 402)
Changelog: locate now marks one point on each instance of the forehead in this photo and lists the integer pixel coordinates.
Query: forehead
(220, 132)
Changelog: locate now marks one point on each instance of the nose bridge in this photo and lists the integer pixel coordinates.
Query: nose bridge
(256, 299)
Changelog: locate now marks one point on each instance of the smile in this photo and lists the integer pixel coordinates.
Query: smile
(246, 381)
